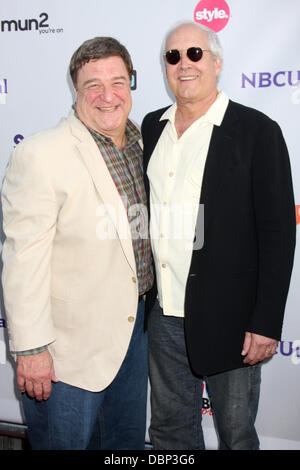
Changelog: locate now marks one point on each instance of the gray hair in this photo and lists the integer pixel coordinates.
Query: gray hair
(98, 48)
(213, 39)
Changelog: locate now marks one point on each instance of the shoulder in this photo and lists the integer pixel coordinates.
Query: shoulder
(250, 117)
(154, 116)
(44, 137)
(46, 149)
(64, 136)
(254, 130)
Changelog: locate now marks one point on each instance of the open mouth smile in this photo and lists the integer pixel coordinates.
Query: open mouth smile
(107, 109)
(185, 79)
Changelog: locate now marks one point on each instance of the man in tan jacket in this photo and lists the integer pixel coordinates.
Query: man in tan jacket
(77, 264)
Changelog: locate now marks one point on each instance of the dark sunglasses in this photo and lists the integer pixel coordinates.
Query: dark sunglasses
(193, 53)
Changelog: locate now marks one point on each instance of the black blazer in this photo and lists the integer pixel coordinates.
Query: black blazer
(239, 280)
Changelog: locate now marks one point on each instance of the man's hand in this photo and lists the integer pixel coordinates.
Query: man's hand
(35, 373)
(258, 348)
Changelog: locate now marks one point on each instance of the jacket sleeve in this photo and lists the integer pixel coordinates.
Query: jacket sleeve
(29, 223)
(274, 208)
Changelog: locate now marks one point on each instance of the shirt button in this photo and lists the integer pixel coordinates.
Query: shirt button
(131, 319)
(134, 280)
(171, 173)
(163, 265)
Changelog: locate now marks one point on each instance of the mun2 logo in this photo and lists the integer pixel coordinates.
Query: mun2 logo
(30, 24)
(25, 25)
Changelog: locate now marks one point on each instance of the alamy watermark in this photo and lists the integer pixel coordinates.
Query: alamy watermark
(184, 222)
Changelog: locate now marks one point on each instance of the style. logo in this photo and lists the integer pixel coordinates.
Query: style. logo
(3, 90)
(214, 14)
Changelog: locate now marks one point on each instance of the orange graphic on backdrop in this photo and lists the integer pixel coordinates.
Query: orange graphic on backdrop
(297, 215)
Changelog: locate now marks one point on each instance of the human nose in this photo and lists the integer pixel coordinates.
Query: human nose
(184, 62)
(106, 93)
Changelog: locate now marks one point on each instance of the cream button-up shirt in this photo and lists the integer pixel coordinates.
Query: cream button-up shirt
(175, 173)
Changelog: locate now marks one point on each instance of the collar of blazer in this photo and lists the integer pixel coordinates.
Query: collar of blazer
(104, 184)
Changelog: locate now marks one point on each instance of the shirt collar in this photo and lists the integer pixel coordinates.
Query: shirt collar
(214, 115)
(132, 133)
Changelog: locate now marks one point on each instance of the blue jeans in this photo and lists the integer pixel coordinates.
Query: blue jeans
(115, 418)
(176, 394)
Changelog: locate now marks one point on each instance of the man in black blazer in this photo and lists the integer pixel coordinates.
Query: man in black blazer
(219, 311)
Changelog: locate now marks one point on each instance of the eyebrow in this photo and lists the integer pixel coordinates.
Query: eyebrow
(92, 80)
(120, 77)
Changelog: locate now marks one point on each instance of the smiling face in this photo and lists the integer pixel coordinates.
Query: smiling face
(192, 82)
(103, 97)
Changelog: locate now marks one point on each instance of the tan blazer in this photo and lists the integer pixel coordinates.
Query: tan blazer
(66, 281)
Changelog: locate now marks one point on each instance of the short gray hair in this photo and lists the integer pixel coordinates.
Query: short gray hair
(213, 39)
(98, 48)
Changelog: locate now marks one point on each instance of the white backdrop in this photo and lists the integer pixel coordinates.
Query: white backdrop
(261, 69)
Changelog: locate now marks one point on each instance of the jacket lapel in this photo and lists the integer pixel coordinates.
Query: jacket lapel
(104, 185)
(218, 158)
(151, 137)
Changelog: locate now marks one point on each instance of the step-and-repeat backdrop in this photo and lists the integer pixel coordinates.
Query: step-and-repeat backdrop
(261, 69)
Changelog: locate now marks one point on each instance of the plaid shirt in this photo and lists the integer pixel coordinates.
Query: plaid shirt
(126, 169)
